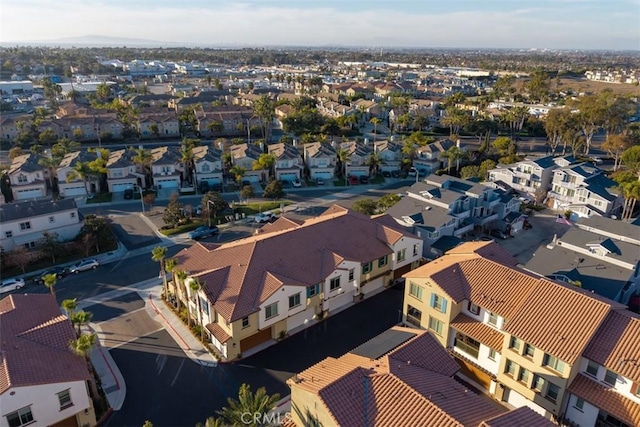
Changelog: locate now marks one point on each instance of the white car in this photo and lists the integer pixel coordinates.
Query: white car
(87, 264)
(265, 217)
(296, 183)
(12, 284)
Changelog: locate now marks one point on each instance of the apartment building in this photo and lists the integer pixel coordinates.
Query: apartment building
(521, 337)
(531, 176)
(291, 274)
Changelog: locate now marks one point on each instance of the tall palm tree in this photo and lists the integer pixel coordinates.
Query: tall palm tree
(343, 157)
(409, 151)
(144, 159)
(158, 254)
(631, 193)
(50, 281)
(51, 165)
(454, 154)
(80, 170)
(248, 402)
(82, 346)
(81, 318)
(181, 276)
(212, 422)
(238, 172)
(188, 159)
(265, 162)
(170, 266)
(195, 287)
(374, 161)
(375, 121)
(69, 306)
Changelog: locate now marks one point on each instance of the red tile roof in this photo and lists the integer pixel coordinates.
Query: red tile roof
(478, 331)
(238, 276)
(522, 416)
(218, 332)
(616, 345)
(34, 348)
(606, 398)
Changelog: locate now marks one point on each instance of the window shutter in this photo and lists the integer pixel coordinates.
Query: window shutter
(444, 305)
(433, 300)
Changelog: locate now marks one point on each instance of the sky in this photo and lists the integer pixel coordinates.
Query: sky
(552, 24)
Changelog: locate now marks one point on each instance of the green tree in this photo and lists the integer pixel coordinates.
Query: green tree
(172, 214)
(99, 230)
(238, 172)
(247, 192)
(343, 157)
(50, 281)
(70, 306)
(50, 245)
(181, 277)
(248, 403)
(213, 203)
(631, 194)
(47, 137)
(374, 161)
(51, 165)
(264, 108)
(63, 147)
(265, 162)
(470, 172)
(16, 152)
(82, 346)
(143, 158)
(485, 167)
(501, 144)
(615, 145)
(81, 171)
(538, 86)
(365, 206)
(188, 159)
(631, 159)
(158, 254)
(375, 122)
(386, 201)
(273, 190)
(170, 266)
(213, 422)
(79, 319)
(196, 287)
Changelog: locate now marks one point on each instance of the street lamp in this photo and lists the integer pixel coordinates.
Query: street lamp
(141, 198)
(209, 212)
(417, 173)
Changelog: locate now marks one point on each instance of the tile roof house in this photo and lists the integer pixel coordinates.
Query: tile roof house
(289, 165)
(520, 336)
(358, 156)
(284, 278)
(428, 158)
(401, 377)
(602, 256)
(41, 380)
(23, 223)
(77, 186)
(225, 121)
(531, 176)
(391, 155)
(158, 123)
(122, 173)
(321, 160)
(245, 155)
(208, 165)
(27, 177)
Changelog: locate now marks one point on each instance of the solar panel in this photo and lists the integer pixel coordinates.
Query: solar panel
(383, 343)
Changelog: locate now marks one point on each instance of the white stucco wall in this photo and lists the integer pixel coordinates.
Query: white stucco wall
(584, 418)
(518, 400)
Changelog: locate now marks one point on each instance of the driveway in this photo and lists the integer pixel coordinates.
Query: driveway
(132, 231)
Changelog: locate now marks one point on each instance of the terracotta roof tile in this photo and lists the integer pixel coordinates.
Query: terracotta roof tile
(616, 345)
(35, 343)
(523, 416)
(425, 352)
(606, 398)
(218, 332)
(478, 331)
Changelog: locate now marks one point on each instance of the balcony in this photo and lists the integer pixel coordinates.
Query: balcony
(464, 228)
(485, 220)
(413, 321)
(462, 215)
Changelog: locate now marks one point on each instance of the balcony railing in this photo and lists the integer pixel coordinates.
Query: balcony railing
(413, 320)
(467, 349)
(486, 219)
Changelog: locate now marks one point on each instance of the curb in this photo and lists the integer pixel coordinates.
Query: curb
(157, 310)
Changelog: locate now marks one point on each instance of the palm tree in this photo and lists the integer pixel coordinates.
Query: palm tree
(265, 162)
(238, 172)
(343, 157)
(80, 170)
(50, 281)
(248, 402)
(170, 266)
(81, 318)
(409, 151)
(195, 287)
(143, 158)
(82, 346)
(375, 121)
(188, 159)
(69, 306)
(212, 422)
(374, 161)
(158, 254)
(51, 165)
(181, 276)
(453, 154)
(631, 193)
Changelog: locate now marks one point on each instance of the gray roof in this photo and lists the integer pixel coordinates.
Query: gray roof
(446, 243)
(74, 157)
(543, 162)
(602, 186)
(457, 184)
(433, 192)
(626, 252)
(609, 225)
(25, 163)
(22, 210)
(429, 220)
(596, 275)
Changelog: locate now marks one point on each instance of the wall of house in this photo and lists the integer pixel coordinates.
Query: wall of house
(585, 417)
(413, 251)
(307, 407)
(623, 385)
(238, 333)
(281, 297)
(377, 277)
(516, 399)
(63, 224)
(45, 405)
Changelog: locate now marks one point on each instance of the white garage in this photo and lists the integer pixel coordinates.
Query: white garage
(166, 183)
(373, 285)
(340, 300)
(287, 176)
(321, 174)
(119, 188)
(75, 190)
(28, 194)
(298, 319)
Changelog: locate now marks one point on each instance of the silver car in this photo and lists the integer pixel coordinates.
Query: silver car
(87, 264)
(12, 284)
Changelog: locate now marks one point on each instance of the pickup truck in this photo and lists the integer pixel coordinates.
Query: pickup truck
(266, 217)
(203, 231)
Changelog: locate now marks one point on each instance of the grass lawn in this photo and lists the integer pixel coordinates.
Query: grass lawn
(100, 198)
(191, 225)
(378, 179)
(338, 183)
(255, 208)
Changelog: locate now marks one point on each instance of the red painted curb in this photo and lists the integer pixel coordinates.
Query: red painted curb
(157, 310)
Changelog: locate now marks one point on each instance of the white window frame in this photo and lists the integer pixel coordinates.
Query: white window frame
(418, 291)
(334, 284)
(269, 312)
(295, 304)
(64, 398)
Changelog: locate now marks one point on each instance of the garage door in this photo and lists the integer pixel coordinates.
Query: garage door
(28, 194)
(288, 176)
(119, 188)
(320, 174)
(166, 183)
(74, 191)
(255, 339)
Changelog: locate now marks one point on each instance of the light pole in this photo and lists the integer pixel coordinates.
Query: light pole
(417, 173)
(209, 212)
(248, 132)
(141, 198)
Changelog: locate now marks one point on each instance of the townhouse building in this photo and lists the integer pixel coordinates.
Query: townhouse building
(583, 189)
(245, 155)
(390, 154)
(225, 121)
(428, 158)
(166, 169)
(23, 223)
(27, 177)
(401, 377)
(122, 173)
(288, 165)
(321, 159)
(598, 254)
(447, 206)
(208, 166)
(158, 123)
(359, 154)
(291, 274)
(44, 383)
(9, 129)
(334, 109)
(531, 176)
(77, 186)
(521, 337)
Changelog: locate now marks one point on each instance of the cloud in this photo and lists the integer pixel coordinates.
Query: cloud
(280, 23)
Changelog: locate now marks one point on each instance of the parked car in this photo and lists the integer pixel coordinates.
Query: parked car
(498, 233)
(386, 174)
(204, 187)
(296, 183)
(246, 182)
(265, 217)
(285, 184)
(60, 272)
(12, 284)
(353, 180)
(319, 181)
(217, 187)
(87, 264)
(128, 194)
(203, 231)
(364, 179)
(395, 174)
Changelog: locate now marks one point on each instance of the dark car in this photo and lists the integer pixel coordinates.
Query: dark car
(498, 233)
(217, 187)
(319, 181)
(386, 174)
(203, 231)
(204, 187)
(60, 272)
(353, 180)
(128, 194)
(364, 179)
(285, 184)
(395, 174)
(245, 182)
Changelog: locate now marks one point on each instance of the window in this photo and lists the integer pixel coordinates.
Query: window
(493, 319)
(523, 375)
(294, 300)
(635, 389)
(538, 383)
(383, 261)
(492, 354)
(8, 234)
(271, 310)
(20, 417)
(72, 214)
(25, 226)
(205, 305)
(473, 308)
(22, 179)
(529, 350)
(415, 291)
(366, 268)
(553, 363)
(414, 316)
(64, 397)
(510, 368)
(205, 167)
(610, 377)
(579, 405)
(334, 284)
(52, 219)
(415, 249)
(435, 325)
(467, 345)
(592, 368)
(313, 290)
(245, 322)
(438, 303)
(401, 255)
(351, 275)
(515, 343)
(552, 392)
